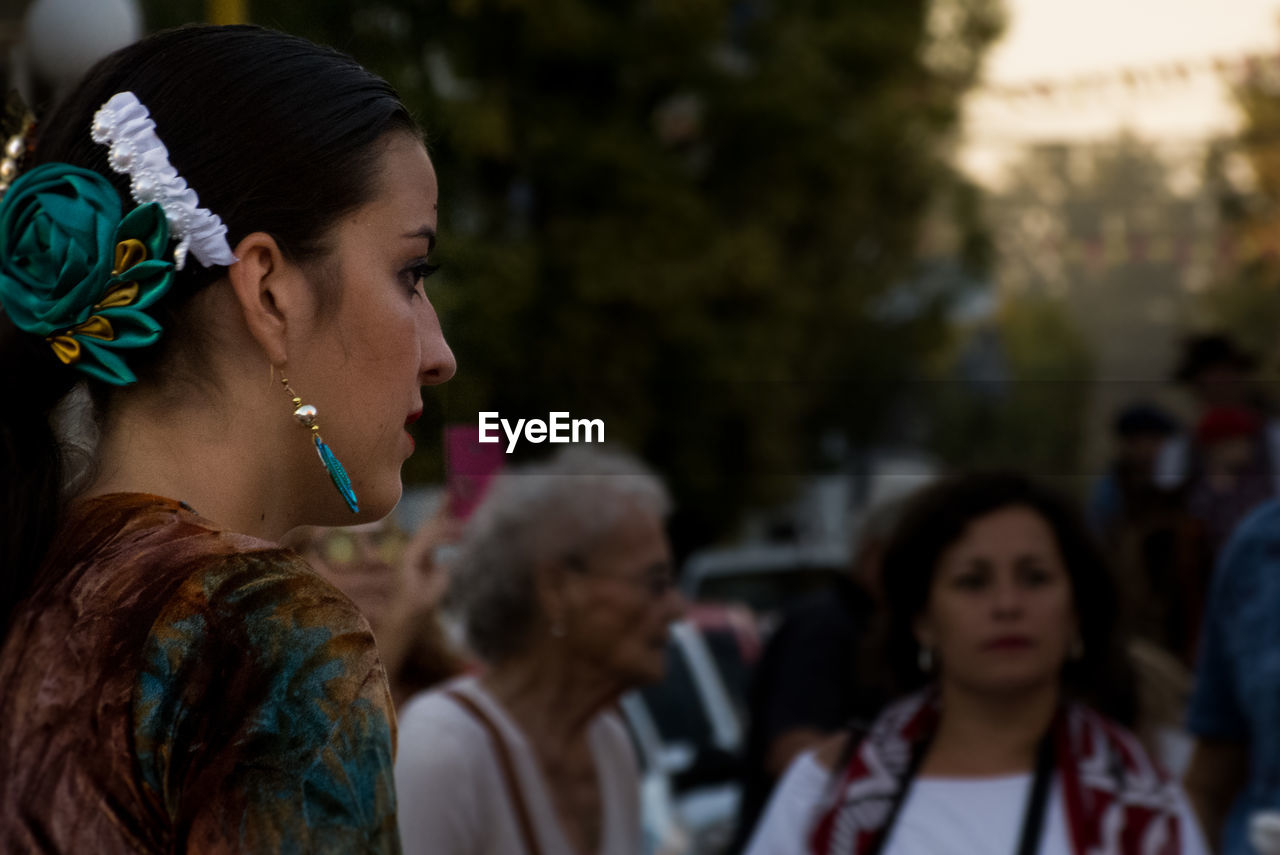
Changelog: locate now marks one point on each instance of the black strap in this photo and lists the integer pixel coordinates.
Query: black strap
(1033, 813)
(918, 751)
(1038, 800)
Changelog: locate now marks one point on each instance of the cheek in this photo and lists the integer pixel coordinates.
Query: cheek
(384, 361)
(606, 613)
(383, 326)
(624, 627)
(632, 621)
(955, 618)
(1056, 613)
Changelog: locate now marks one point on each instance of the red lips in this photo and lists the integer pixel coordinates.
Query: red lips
(1008, 642)
(413, 417)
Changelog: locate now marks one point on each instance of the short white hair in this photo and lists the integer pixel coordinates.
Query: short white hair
(532, 515)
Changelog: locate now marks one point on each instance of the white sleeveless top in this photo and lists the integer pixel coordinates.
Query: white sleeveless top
(941, 816)
(451, 796)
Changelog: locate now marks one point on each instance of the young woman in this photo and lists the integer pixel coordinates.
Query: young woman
(1002, 629)
(219, 239)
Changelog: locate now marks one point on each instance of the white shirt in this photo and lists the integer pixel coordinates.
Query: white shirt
(941, 816)
(451, 796)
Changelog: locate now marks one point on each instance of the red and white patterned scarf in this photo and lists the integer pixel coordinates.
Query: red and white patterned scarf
(1117, 801)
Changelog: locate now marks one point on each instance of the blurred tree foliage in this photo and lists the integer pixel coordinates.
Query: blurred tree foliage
(1018, 391)
(1244, 298)
(679, 215)
(1095, 246)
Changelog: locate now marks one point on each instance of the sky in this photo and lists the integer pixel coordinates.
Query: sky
(1057, 41)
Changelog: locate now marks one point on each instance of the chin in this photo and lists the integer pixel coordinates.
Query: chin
(376, 503)
(1016, 681)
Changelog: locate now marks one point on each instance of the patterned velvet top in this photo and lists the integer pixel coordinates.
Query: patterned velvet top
(169, 686)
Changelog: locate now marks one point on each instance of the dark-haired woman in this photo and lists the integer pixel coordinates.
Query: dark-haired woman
(1002, 628)
(219, 240)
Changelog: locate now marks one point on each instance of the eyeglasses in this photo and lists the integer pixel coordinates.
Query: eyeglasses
(657, 582)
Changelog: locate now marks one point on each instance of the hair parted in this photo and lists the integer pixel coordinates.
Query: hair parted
(939, 515)
(274, 133)
(533, 515)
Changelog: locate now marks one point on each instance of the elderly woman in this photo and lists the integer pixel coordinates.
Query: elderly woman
(1003, 632)
(564, 583)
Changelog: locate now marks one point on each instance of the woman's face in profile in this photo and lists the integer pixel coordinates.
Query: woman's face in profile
(624, 601)
(1000, 615)
(367, 362)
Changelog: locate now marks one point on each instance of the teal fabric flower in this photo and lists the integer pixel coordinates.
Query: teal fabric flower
(73, 271)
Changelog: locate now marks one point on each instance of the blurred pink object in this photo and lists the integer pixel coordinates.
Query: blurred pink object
(737, 620)
(469, 467)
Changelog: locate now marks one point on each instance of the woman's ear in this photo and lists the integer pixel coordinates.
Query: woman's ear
(272, 292)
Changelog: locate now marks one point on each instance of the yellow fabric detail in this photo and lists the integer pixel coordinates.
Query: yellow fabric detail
(66, 349)
(128, 253)
(121, 295)
(96, 327)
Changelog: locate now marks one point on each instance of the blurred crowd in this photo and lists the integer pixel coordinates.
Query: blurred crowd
(991, 631)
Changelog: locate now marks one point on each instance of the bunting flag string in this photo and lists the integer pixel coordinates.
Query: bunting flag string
(1254, 68)
(1102, 252)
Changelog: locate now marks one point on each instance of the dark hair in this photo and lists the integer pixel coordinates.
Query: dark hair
(1211, 350)
(939, 515)
(1143, 419)
(274, 133)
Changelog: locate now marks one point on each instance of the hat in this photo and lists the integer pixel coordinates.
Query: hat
(1143, 419)
(1205, 351)
(1227, 423)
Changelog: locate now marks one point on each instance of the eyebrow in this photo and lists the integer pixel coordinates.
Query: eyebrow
(425, 232)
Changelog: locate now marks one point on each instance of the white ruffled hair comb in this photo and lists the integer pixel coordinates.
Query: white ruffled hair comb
(124, 124)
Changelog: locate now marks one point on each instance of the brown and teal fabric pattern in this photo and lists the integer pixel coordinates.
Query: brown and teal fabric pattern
(171, 687)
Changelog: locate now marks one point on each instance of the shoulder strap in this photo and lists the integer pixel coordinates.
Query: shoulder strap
(508, 768)
(918, 751)
(1033, 814)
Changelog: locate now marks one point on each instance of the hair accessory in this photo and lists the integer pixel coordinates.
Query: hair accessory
(125, 124)
(18, 124)
(306, 416)
(75, 272)
(74, 268)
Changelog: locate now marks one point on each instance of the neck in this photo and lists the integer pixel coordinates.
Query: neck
(984, 733)
(553, 697)
(215, 460)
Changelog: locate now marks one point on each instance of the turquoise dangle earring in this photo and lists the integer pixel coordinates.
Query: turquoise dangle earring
(306, 416)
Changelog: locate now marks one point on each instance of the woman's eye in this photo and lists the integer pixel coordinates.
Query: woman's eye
(418, 272)
(970, 581)
(1035, 577)
(1033, 574)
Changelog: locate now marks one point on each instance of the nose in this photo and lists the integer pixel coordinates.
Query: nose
(1007, 598)
(438, 363)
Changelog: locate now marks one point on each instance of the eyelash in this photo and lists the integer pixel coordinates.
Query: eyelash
(1034, 576)
(418, 272)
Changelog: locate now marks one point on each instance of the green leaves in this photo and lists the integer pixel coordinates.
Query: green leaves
(674, 215)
